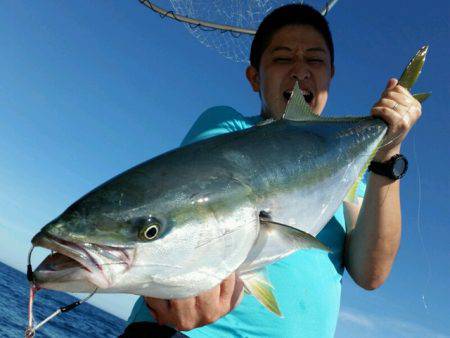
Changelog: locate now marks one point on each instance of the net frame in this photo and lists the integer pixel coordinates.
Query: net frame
(207, 25)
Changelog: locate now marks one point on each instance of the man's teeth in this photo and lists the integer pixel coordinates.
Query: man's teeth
(306, 94)
(287, 95)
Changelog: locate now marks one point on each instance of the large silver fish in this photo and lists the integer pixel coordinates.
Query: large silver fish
(178, 224)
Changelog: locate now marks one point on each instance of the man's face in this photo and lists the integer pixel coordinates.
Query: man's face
(295, 53)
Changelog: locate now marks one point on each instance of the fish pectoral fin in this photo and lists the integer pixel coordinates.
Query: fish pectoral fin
(290, 237)
(298, 109)
(257, 284)
(276, 241)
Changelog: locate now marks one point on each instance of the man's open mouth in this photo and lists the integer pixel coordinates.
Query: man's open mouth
(308, 95)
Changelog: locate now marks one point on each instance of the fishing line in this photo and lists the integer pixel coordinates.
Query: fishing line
(31, 330)
(419, 228)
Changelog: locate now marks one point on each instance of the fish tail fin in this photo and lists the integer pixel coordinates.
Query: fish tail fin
(412, 72)
(421, 97)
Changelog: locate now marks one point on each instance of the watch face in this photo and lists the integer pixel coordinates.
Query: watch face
(400, 166)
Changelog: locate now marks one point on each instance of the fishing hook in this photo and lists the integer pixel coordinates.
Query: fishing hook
(31, 330)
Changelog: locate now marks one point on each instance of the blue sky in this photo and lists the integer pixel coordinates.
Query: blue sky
(88, 90)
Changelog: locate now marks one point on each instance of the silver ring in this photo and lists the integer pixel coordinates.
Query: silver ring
(395, 106)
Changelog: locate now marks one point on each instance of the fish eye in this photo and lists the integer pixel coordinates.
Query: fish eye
(149, 228)
(150, 232)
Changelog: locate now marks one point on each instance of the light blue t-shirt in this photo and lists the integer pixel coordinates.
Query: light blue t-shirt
(307, 283)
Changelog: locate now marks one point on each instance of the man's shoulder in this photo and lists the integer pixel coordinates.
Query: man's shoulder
(217, 120)
(220, 112)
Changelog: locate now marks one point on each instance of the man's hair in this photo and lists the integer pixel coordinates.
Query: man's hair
(293, 14)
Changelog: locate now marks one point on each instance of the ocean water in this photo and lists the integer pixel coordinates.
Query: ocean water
(84, 321)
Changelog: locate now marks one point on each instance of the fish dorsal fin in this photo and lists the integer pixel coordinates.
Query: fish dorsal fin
(257, 284)
(275, 241)
(298, 109)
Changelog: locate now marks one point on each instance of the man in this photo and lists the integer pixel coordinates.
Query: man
(294, 44)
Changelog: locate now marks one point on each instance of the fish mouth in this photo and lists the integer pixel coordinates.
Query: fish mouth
(89, 261)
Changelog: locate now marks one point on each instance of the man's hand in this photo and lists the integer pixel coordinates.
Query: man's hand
(400, 110)
(374, 229)
(189, 313)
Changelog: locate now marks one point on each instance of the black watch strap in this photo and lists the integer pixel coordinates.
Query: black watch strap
(395, 168)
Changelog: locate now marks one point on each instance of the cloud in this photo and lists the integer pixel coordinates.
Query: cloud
(371, 325)
(355, 317)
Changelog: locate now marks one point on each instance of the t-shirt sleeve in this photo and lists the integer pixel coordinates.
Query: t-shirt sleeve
(215, 121)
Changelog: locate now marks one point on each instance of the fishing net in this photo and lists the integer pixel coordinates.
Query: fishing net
(227, 26)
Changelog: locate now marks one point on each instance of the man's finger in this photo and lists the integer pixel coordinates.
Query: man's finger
(405, 100)
(184, 313)
(391, 84)
(238, 293)
(227, 288)
(160, 309)
(389, 116)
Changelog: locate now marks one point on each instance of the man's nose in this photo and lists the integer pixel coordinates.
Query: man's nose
(300, 71)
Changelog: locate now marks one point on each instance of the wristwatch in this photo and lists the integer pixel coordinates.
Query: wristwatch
(394, 168)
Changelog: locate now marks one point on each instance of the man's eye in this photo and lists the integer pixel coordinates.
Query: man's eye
(282, 60)
(315, 61)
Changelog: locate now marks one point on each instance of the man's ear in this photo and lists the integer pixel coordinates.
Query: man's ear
(253, 78)
(332, 71)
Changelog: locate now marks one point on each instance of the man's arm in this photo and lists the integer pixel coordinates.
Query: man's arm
(374, 226)
(372, 242)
